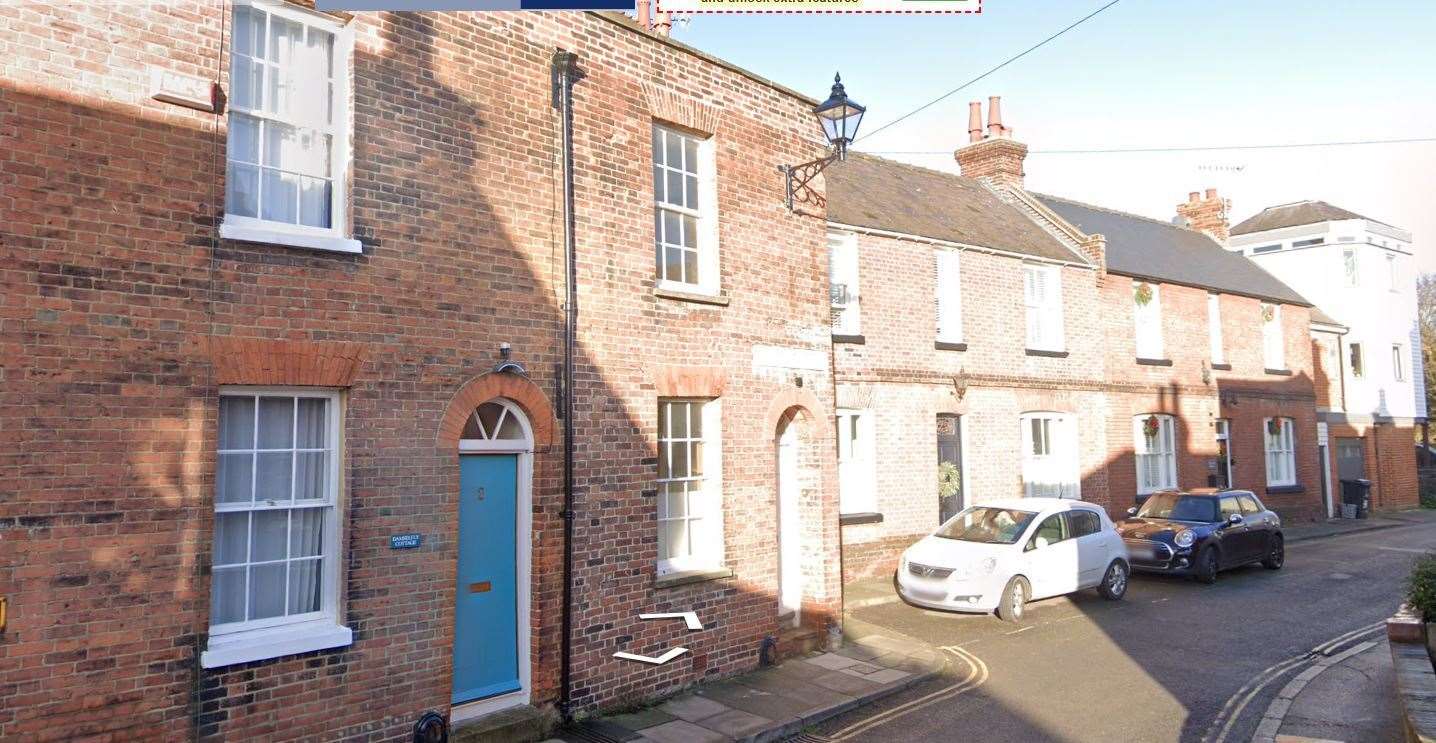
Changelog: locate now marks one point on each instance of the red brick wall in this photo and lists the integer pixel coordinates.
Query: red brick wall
(1390, 463)
(114, 280)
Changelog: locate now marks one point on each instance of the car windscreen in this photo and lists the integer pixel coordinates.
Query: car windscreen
(987, 525)
(1179, 507)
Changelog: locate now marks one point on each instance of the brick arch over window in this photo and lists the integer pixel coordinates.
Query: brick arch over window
(788, 404)
(483, 388)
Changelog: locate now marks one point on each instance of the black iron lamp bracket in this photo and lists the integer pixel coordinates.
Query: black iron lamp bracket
(799, 176)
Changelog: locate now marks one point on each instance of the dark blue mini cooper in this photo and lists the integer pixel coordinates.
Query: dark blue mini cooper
(1201, 532)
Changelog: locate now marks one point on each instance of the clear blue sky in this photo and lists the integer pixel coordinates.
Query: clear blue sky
(1143, 73)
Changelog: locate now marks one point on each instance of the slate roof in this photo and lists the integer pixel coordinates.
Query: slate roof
(1293, 215)
(868, 191)
(1321, 318)
(1151, 249)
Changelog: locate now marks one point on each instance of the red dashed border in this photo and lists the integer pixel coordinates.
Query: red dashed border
(658, 8)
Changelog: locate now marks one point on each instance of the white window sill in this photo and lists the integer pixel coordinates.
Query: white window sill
(329, 243)
(692, 290)
(273, 642)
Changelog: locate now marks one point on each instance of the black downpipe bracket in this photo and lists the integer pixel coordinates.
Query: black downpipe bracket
(564, 73)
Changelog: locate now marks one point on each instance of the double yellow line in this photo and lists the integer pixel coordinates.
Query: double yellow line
(976, 676)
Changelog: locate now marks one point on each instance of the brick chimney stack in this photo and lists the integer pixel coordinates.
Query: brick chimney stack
(994, 157)
(1206, 214)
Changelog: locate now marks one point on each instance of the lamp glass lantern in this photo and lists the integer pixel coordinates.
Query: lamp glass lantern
(840, 117)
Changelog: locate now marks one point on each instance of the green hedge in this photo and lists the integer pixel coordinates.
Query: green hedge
(1421, 587)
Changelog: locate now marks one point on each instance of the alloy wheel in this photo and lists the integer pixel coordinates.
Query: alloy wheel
(1117, 579)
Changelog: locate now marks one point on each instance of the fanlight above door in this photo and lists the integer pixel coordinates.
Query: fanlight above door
(493, 422)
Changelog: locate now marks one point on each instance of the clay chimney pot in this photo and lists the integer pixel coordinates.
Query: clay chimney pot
(1193, 196)
(1211, 193)
(974, 121)
(994, 116)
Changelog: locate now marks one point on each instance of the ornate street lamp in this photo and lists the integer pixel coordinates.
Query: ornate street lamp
(839, 117)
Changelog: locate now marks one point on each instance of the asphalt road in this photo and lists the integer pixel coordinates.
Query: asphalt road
(1174, 661)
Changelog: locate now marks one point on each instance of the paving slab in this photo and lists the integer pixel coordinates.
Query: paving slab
(736, 724)
(682, 731)
(832, 661)
(692, 707)
(845, 683)
(640, 719)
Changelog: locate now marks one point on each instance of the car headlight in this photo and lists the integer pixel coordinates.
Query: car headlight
(1185, 538)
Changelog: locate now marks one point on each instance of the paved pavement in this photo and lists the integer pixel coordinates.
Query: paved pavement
(1347, 698)
(773, 703)
(1174, 661)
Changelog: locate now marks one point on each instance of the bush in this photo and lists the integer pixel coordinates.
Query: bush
(1421, 587)
(1427, 479)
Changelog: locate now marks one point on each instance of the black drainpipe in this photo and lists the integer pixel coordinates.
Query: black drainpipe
(564, 73)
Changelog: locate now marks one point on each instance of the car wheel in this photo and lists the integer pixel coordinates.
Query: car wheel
(1114, 583)
(1014, 600)
(1276, 555)
(1205, 570)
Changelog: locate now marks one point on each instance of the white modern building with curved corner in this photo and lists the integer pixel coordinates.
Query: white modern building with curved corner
(1361, 274)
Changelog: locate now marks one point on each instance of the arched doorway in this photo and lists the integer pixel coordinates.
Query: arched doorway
(795, 460)
(491, 611)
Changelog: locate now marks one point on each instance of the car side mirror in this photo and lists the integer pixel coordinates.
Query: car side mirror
(1132, 511)
(1234, 519)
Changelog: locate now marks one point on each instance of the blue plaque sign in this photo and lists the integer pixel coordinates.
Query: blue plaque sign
(404, 541)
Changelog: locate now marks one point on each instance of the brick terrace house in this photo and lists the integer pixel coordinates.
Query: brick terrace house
(248, 354)
(1371, 381)
(990, 342)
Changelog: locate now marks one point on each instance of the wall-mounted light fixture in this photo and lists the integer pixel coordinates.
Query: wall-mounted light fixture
(959, 384)
(506, 364)
(839, 117)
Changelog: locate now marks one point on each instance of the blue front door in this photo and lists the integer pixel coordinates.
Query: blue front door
(486, 620)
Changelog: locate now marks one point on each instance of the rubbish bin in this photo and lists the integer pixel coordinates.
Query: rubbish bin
(1356, 493)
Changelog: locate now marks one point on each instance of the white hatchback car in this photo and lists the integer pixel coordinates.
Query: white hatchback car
(1002, 554)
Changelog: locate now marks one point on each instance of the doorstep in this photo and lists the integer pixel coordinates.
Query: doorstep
(520, 724)
(776, 702)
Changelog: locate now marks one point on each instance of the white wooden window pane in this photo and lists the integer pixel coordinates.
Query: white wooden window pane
(234, 479)
(244, 18)
(281, 191)
(674, 188)
(231, 538)
(949, 296)
(269, 533)
(227, 600)
(314, 202)
(305, 581)
(243, 138)
(311, 475)
(674, 146)
(242, 190)
(246, 83)
(273, 476)
(236, 423)
(306, 532)
(311, 425)
(267, 590)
